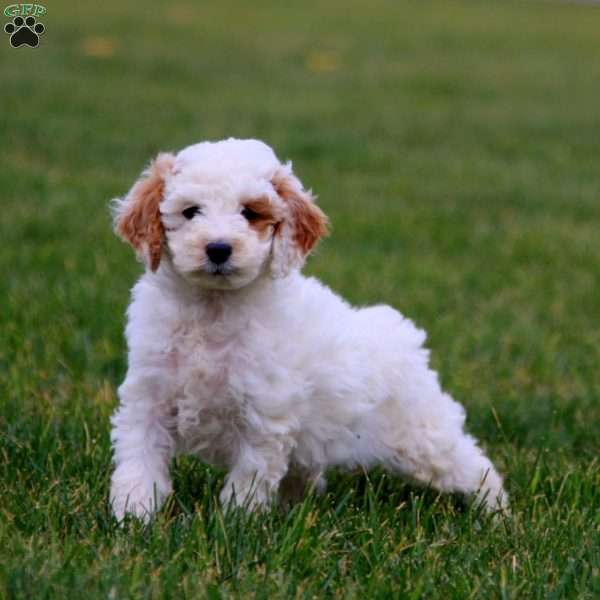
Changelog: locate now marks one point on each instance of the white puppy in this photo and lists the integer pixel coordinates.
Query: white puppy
(237, 358)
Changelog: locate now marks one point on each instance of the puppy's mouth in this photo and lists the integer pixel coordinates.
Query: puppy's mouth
(222, 270)
(224, 276)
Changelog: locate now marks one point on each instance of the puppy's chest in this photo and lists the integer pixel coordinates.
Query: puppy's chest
(213, 363)
(208, 360)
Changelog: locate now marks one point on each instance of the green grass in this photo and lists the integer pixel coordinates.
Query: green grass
(455, 147)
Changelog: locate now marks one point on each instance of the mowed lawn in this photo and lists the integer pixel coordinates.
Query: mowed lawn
(456, 148)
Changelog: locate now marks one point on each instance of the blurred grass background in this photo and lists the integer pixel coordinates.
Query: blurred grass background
(454, 146)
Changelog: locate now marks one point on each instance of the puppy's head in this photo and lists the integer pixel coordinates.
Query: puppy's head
(222, 214)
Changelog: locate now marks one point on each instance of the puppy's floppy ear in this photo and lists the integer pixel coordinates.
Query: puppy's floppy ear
(137, 215)
(303, 225)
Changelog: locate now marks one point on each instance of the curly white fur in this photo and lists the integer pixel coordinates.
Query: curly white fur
(252, 366)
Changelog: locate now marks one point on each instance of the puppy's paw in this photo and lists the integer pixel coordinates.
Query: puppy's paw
(139, 496)
(245, 493)
(492, 496)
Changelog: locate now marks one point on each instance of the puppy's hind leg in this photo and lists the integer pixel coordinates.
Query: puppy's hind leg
(436, 451)
(298, 482)
(254, 479)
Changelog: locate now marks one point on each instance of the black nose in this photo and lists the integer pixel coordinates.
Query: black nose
(218, 252)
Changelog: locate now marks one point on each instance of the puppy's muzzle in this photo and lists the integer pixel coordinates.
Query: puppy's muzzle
(218, 252)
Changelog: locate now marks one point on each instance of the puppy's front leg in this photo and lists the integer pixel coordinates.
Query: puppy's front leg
(254, 480)
(143, 446)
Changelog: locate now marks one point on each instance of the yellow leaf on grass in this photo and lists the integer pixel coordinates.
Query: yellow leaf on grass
(322, 62)
(99, 47)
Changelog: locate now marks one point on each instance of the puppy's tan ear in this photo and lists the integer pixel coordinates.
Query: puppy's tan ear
(137, 215)
(304, 223)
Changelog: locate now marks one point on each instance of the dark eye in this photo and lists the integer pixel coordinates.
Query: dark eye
(249, 214)
(191, 212)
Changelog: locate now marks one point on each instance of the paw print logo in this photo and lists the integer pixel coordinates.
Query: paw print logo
(24, 31)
